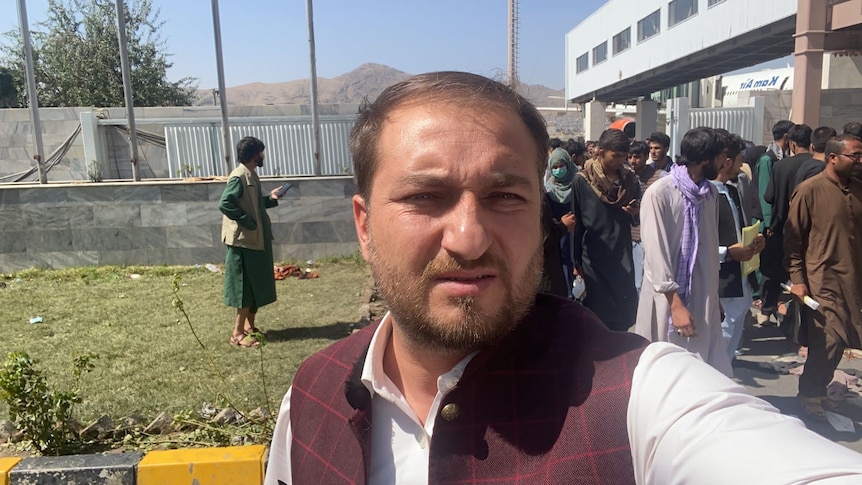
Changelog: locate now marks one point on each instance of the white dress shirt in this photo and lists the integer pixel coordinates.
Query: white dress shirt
(687, 424)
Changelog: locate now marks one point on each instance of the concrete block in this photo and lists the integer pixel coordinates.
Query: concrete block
(184, 192)
(42, 195)
(322, 188)
(65, 259)
(341, 249)
(12, 262)
(319, 232)
(156, 215)
(113, 469)
(111, 215)
(138, 193)
(50, 240)
(8, 196)
(286, 233)
(43, 217)
(306, 211)
(203, 213)
(338, 210)
(15, 114)
(87, 193)
(215, 190)
(127, 257)
(11, 219)
(207, 466)
(118, 239)
(13, 242)
(189, 236)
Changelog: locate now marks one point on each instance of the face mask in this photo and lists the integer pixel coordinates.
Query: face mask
(560, 172)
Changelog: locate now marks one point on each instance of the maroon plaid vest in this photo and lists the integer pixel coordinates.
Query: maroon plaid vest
(548, 404)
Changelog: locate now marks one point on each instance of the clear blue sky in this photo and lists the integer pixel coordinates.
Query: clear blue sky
(267, 40)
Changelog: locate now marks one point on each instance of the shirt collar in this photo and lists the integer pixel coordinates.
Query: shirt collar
(376, 380)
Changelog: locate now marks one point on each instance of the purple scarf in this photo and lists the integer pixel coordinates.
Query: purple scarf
(693, 196)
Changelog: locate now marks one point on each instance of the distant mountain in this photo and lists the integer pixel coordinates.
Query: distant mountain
(349, 88)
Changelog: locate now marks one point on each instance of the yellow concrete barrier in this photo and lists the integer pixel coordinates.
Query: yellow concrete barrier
(6, 465)
(240, 465)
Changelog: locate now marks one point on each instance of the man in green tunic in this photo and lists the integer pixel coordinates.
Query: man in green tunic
(249, 282)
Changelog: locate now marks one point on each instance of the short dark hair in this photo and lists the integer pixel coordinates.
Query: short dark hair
(853, 128)
(248, 148)
(614, 140)
(835, 145)
(781, 128)
(735, 145)
(639, 148)
(660, 138)
(554, 143)
(820, 136)
(575, 148)
(449, 87)
(801, 135)
(700, 144)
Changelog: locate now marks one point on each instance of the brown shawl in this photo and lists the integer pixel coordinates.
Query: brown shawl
(610, 193)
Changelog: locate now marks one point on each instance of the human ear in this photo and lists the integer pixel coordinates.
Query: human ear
(360, 220)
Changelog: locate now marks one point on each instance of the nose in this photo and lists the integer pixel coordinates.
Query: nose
(465, 232)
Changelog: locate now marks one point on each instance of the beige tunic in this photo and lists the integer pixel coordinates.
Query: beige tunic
(823, 249)
(661, 232)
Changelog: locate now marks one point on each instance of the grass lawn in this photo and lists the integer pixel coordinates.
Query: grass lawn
(148, 362)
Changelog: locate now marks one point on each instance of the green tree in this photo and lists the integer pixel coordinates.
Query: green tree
(77, 57)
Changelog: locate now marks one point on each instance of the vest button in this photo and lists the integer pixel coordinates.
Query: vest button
(450, 412)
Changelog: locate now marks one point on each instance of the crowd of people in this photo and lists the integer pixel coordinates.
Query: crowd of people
(667, 247)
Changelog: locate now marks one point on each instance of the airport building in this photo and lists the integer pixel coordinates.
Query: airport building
(649, 52)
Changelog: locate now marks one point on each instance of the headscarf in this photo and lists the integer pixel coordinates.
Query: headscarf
(693, 196)
(614, 195)
(561, 189)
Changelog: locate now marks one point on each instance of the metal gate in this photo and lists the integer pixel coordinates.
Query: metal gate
(195, 150)
(746, 122)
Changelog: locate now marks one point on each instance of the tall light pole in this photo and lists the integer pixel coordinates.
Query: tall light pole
(127, 88)
(315, 117)
(222, 92)
(32, 96)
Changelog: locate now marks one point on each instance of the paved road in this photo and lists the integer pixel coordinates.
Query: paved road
(768, 354)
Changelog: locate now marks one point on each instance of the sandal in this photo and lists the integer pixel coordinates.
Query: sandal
(813, 407)
(244, 341)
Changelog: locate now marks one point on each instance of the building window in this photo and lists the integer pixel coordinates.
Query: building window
(582, 63)
(622, 41)
(649, 25)
(710, 3)
(679, 10)
(600, 53)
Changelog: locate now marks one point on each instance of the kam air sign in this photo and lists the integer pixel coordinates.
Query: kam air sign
(760, 83)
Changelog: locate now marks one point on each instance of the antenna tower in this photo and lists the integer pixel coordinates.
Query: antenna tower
(513, 44)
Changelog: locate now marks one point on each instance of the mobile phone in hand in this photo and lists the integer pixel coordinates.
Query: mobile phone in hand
(284, 188)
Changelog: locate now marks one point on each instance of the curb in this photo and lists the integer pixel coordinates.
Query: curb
(201, 466)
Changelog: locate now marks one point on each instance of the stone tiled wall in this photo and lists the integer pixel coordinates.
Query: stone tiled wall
(152, 223)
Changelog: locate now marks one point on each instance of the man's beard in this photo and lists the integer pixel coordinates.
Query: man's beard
(407, 295)
(709, 171)
(260, 162)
